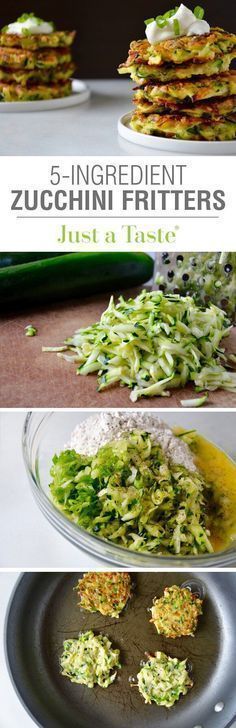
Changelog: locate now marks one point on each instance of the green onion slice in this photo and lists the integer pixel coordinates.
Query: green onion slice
(149, 20)
(176, 26)
(199, 12)
(161, 21)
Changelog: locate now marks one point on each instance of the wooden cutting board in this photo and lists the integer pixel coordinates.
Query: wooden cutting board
(30, 378)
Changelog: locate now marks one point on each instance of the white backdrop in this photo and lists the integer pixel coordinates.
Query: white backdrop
(40, 230)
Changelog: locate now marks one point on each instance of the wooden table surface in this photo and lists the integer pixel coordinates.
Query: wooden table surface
(30, 378)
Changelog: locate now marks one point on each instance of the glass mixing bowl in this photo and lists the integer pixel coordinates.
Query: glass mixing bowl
(47, 433)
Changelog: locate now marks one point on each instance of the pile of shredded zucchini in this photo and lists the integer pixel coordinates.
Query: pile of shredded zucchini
(90, 660)
(152, 343)
(130, 493)
(162, 680)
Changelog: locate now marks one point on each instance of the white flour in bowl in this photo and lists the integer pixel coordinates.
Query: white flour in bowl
(99, 429)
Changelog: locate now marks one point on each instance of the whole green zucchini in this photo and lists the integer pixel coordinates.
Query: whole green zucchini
(7, 259)
(72, 275)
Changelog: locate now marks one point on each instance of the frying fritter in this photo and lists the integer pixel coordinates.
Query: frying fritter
(16, 92)
(19, 58)
(176, 614)
(43, 75)
(106, 592)
(214, 109)
(57, 39)
(183, 49)
(189, 91)
(143, 72)
(163, 679)
(178, 126)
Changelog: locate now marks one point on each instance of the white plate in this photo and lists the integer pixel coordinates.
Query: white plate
(80, 94)
(177, 146)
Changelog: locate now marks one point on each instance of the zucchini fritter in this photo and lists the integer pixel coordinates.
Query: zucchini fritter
(57, 39)
(142, 72)
(163, 679)
(90, 660)
(189, 91)
(20, 58)
(203, 109)
(176, 614)
(183, 49)
(178, 126)
(38, 92)
(176, 78)
(43, 75)
(106, 592)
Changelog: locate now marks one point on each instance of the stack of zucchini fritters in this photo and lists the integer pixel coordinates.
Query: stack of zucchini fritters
(34, 67)
(185, 88)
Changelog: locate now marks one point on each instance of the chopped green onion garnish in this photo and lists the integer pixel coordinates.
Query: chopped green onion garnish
(176, 26)
(199, 12)
(149, 20)
(30, 330)
(169, 13)
(28, 16)
(160, 21)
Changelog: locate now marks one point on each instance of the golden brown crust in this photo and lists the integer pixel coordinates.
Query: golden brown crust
(180, 126)
(21, 58)
(57, 39)
(105, 592)
(197, 90)
(214, 109)
(37, 75)
(38, 92)
(143, 72)
(182, 49)
(176, 613)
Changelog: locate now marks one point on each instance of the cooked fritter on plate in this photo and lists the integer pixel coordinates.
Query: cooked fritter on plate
(37, 92)
(177, 77)
(142, 72)
(188, 90)
(19, 58)
(35, 60)
(37, 75)
(176, 613)
(162, 679)
(183, 49)
(184, 127)
(57, 39)
(106, 592)
(204, 109)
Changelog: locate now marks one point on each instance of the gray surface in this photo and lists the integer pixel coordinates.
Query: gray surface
(35, 636)
(12, 711)
(90, 128)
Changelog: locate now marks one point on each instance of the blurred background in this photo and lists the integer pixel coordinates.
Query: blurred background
(105, 29)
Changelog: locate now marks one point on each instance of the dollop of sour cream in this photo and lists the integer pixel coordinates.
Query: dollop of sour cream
(187, 24)
(32, 25)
